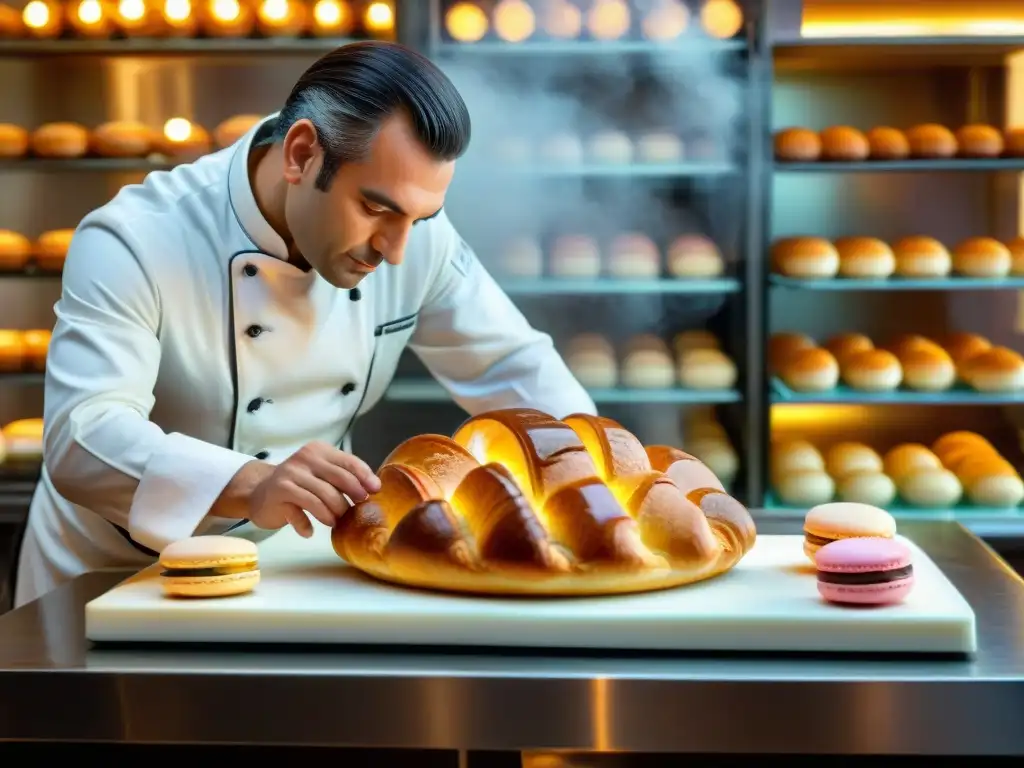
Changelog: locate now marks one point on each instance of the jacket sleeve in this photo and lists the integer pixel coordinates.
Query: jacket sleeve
(100, 449)
(478, 345)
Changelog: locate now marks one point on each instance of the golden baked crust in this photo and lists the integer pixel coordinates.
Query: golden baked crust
(519, 503)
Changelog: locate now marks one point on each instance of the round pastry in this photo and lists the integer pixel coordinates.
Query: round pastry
(517, 502)
(706, 369)
(15, 250)
(784, 344)
(928, 370)
(963, 346)
(996, 370)
(177, 143)
(799, 145)
(648, 369)
(719, 456)
(844, 459)
(991, 482)
(701, 423)
(843, 143)
(684, 341)
(810, 370)
(979, 141)
(805, 258)
(964, 459)
(594, 367)
(610, 147)
(60, 140)
(646, 342)
(522, 257)
(234, 128)
(981, 257)
(12, 351)
(659, 147)
(845, 345)
(907, 458)
(918, 257)
(122, 138)
(872, 488)
(37, 343)
(804, 488)
(840, 520)
(875, 370)
(1013, 142)
(931, 141)
(887, 144)
(1016, 249)
(51, 249)
(903, 343)
(694, 256)
(563, 149)
(864, 257)
(931, 488)
(865, 571)
(634, 256)
(795, 456)
(13, 141)
(961, 442)
(209, 566)
(575, 256)
(23, 440)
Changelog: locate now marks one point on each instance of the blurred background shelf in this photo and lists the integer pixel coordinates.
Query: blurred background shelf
(31, 272)
(781, 394)
(672, 48)
(26, 377)
(625, 171)
(429, 391)
(553, 286)
(1015, 164)
(163, 47)
(86, 165)
(899, 284)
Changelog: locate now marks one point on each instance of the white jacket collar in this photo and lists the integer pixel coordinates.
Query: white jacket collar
(243, 201)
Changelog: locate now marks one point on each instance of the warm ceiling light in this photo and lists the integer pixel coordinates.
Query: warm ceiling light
(226, 10)
(379, 17)
(131, 10)
(177, 129)
(177, 10)
(561, 19)
(666, 21)
(721, 18)
(36, 14)
(514, 21)
(274, 10)
(90, 12)
(608, 19)
(466, 22)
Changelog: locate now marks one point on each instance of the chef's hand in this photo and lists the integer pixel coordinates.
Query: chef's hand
(311, 480)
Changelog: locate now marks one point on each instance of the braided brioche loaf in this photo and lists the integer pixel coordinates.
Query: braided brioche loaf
(519, 503)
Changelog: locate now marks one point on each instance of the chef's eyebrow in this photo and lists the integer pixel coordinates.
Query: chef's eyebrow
(381, 199)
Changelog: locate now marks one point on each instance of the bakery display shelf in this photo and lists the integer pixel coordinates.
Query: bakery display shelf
(904, 166)
(964, 512)
(141, 46)
(87, 164)
(31, 271)
(17, 472)
(696, 168)
(554, 286)
(900, 284)
(426, 390)
(22, 377)
(958, 395)
(1007, 42)
(696, 45)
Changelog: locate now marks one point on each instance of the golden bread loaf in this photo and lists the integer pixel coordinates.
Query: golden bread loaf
(841, 142)
(979, 141)
(931, 141)
(797, 145)
(887, 143)
(519, 503)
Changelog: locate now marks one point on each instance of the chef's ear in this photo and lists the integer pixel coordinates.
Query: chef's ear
(300, 148)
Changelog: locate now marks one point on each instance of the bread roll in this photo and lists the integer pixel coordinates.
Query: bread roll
(810, 370)
(919, 257)
(805, 488)
(799, 145)
(872, 488)
(15, 250)
(979, 141)
(13, 141)
(594, 368)
(610, 147)
(684, 341)
(646, 342)
(719, 456)
(931, 141)
(122, 138)
(864, 257)
(700, 423)
(634, 256)
(1013, 142)
(12, 351)
(784, 345)
(575, 256)
(562, 149)
(540, 506)
(648, 369)
(234, 128)
(952, 443)
(1016, 249)
(991, 481)
(522, 257)
(887, 144)
(694, 256)
(981, 257)
(928, 369)
(194, 145)
(791, 456)
(875, 370)
(903, 343)
(586, 342)
(51, 249)
(37, 343)
(996, 370)
(706, 369)
(907, 458)
(23, 440)
(60, 140)
(963, 346)
(843, 143)
(805, 257)
(843, 345)
(846, 458)
(932, 488)
(659, 147)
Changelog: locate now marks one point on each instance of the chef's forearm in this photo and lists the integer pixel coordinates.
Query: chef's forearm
(233, 502)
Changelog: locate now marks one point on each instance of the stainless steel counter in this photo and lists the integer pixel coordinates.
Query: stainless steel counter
(53, 687)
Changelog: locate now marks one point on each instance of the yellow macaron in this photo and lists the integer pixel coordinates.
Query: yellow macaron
(209, 566)
(836, 520)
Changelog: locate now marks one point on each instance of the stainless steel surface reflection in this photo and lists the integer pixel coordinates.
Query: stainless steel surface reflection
(53, 687)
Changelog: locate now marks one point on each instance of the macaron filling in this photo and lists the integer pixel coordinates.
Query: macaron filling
(816, 540)
(222, 570)
(866, 577)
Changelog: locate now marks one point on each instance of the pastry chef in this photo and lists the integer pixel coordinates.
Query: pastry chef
(223, 325)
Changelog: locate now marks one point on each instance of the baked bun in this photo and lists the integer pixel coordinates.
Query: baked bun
(874, 370)
(887, 144)
(234, 128)
(37, 343)
(633, 256)
(805, 257)
(23, 440)
(963, 346)
(810, 370)
(903, 343)
(648, 366)
(864, 257)
(918, 257)
(843, 143)
(610, 148)
(996, 370)
(1013, 142)
(51, 249)
(844, 345)
(706, 369)
(953, 447)
(928, 369)
(518, 503)
(981, 257)
(979, 141)
(844, 459)
(931, 141)
(659, 147)
(575, 256)
(122, 138)
(12, 350)
(907, 458)
(522, 257)
(790, 456)
(1016, 249)
(805, 488)
(872, 488)
(591, 358)
(933, 488)
(784, 345)
(684, 341)
(60, 140)
(15, 250)
(991, 481)
(195, 144)
(799, 145)
(562, 149)
(694, 256)
(13, 141)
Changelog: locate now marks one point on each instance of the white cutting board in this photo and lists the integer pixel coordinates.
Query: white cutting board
(769, 602)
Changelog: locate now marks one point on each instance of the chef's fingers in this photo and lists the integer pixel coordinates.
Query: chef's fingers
(343, 479)
(368, 481)
(299, 496)
(330, 497)
(299, 521)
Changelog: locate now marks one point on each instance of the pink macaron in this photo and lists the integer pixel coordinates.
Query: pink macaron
(865, 571)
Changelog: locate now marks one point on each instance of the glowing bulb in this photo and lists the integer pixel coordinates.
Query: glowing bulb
(561, 19)
(327, 13)
(514, 20)
(466, 22)
(379, 16)
(721, 18)
(274, 10)
(131, 10)
(178, 128)
(177, 10)
(226, 10)
(36, 14)
(608, 19)
(666, 21)
(89, 11)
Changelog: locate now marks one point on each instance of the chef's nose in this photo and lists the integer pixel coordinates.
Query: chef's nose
(390, 243)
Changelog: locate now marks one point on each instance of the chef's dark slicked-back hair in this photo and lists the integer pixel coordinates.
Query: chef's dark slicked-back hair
(348, 93)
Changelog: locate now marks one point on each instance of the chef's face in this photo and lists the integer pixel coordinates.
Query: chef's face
(365, 216)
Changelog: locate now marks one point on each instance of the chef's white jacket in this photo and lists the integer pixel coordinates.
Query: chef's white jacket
(185, 345)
